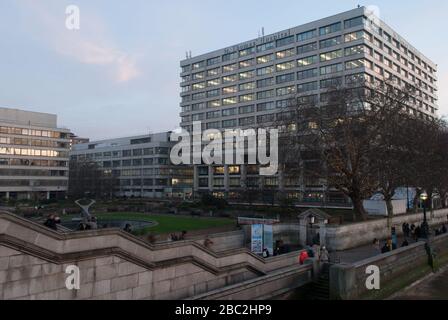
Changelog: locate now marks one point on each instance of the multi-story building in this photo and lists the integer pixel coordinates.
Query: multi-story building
(141, 164)
(74, 139)
(33, 155)
(245, 85)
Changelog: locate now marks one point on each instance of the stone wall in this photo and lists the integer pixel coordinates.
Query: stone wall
(115, 265)
(347, 281)
(349, 236)
(264, 287)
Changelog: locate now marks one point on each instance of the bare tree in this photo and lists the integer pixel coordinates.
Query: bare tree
(87, 178)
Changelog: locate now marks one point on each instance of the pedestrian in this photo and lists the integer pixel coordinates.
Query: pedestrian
(310, 252)
(377, 245)
(405, 243)
(324, 255)
(444, 229)
(51, 222)
(207, 242)
(128, 228)
(385, 248)
(266, 253)
(303, 257)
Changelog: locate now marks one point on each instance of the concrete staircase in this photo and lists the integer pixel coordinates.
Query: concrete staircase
(116, 265)
(320, 289)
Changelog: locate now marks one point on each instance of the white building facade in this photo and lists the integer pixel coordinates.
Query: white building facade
(33, 155)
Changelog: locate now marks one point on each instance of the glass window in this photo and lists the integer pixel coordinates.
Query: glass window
(212, 72)
(213, 61)
(265, 94)
(247, 109)
(229, 123)
(328, 56)
(285, 53)
(247, 86)
(229, 90)
(265, 70)
(266, 46)
(247, 97)
(354, 22)
(285, 41)
(247, 121)
(331, 83)
(335, 27)
(285, 66)
(230, 56)
(266, 106)
(229, 112)
(331, 69)
(229, 101)
(265, 82)
(353, 64)
(265, 59)
(228, 79)
(247, 75)
(307, 61)
(309, 86)
(354, 50)
(327, 43)
(246, 52)
(230, 67)
(213, 82)
(307, 48)
(305, 74)
(285, 78)
(307, 35)
(286, 91)
(246, 63)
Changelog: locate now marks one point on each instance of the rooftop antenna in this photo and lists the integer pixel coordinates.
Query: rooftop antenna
(262, 31)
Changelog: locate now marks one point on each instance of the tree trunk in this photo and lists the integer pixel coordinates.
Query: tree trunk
(390, 211)
(358, 207)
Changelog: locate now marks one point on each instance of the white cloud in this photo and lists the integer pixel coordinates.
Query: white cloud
(89, 45)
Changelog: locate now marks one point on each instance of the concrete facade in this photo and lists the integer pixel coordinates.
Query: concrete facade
(33, 155)
(140, 163)
(245, 85)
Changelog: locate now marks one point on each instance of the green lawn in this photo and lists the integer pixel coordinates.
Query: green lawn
(169, 223)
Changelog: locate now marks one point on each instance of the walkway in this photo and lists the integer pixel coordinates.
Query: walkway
(433, 287)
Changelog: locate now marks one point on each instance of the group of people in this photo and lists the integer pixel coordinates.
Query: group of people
(90, 224)
(441, 231)
(321, 253)
(176, 237)
(52, 222)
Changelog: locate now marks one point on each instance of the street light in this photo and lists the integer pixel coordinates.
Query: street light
(425, 226)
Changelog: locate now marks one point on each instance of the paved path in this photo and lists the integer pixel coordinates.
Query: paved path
(433, 287)
(360, 253)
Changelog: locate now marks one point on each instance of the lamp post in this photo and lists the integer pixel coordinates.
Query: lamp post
(425, 226)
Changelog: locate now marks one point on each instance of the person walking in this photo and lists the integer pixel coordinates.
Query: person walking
(324, 255)
(303, 257)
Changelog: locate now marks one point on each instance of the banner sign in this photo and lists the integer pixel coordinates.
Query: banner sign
(257, 238)
(268, 239)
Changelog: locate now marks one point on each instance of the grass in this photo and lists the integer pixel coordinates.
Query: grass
(168, 223)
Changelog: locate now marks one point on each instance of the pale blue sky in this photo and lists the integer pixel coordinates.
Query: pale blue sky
(119, 75)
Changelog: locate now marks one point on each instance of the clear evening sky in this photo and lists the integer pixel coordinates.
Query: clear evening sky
(119, 74)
